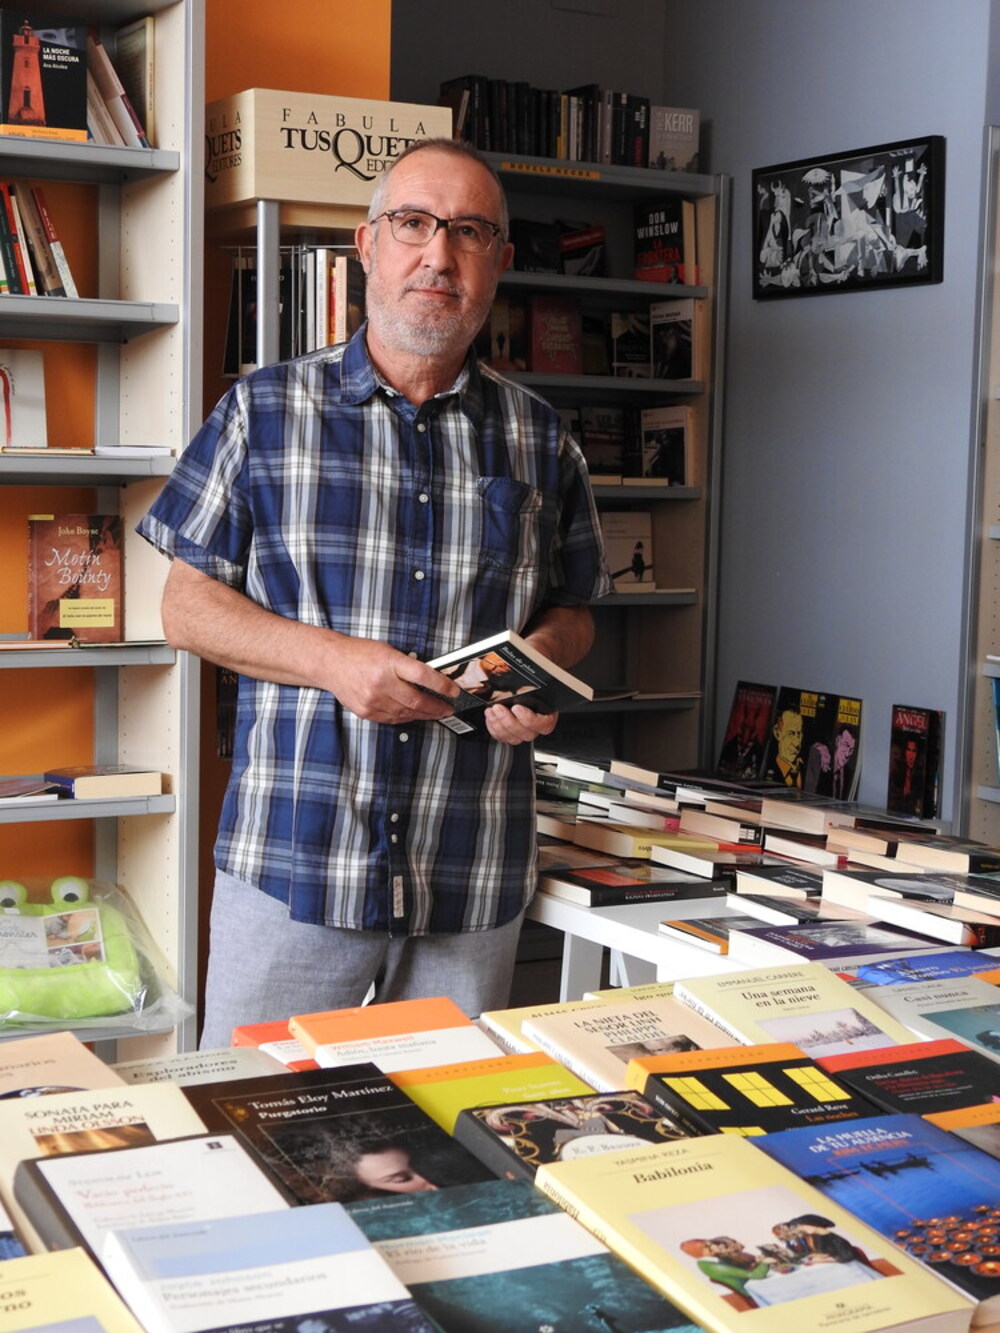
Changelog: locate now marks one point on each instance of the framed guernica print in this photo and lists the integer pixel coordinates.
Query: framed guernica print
(870, 218)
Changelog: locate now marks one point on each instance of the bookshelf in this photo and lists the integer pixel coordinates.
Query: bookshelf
(662, 643)
(143, 321)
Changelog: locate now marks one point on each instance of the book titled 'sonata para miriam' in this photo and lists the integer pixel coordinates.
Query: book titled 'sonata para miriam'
(75, 577)
(506, 669)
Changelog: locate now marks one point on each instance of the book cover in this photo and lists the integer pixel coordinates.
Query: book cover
(628, 332)
(312, 1267)
(348, 297)
(65, 1292)
(915, 739)
(978, 1125)
(778, 911)
(515, 1138)
(598, 1042)
(75, 577)
(536, 246)
(331, 1135)
(801, 748)
(583, 249)
(22, 389)
(667, 444)
(506, 1025)
(944, 965)
(49, 1063)
(501, 1258)
(100, 781)
(702, 1220)
(925, 1077)
(110, 86)
(673, 138)
(188, 1067)
(865, 888)
(951, 854)
(802, 1003)
(406, 1034)
(931, 1193)
(504, 341)
(796, 883)
(446, 1090)
(628, 881)
(672, 336)
(966, 1008)
(707, 932)
(11, 1245)
(556, 336)
(135, 61)
(93, 1120)
(43, 76)
(628, 548)
(746, 1090)
(658, 249)
(837, 944)
(275, 1040)
(77, 1198)
(603, 438)
(506, 669)
(938, 920)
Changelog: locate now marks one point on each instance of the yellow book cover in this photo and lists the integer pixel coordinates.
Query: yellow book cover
(404, 1034)
(804, 1003)
(715, 1225)
(87, 1121)
(607, 835)
(61, 1290)
(506, 1026)
(51, 1062)
(598, 1042)
(447, 1089)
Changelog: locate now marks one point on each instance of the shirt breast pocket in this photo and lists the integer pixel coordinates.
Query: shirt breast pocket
(511, 523)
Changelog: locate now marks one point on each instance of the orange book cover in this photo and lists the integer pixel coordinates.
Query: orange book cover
(75, 577)
(274, 1039)
(404, 1034)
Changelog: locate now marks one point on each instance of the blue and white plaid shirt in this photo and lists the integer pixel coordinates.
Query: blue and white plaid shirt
(325, 496)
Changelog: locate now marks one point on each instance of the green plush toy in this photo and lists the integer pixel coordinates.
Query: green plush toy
(70, 958)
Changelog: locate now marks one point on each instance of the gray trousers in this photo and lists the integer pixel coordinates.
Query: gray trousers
(262, 965)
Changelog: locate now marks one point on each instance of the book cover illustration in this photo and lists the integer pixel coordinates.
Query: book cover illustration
(501, 1258)
(935, 1196)
(944, 965)
(671, 339)
(43, 76)
(814, 742)
(915, 738)
(75, 577)
(628, 547)
(556, 334)
(332, 1135)
(835, 943)
(22, 389)
(747, 731)
(658, 244)
(673, 138)
(515, 1138)
(629, 334)
(666, 445)
(721, 1228)
(603, 440)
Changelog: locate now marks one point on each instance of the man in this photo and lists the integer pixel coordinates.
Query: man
(339, 520)
(787, 731)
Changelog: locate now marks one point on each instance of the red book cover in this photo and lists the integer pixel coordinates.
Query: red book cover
(556, 336)
(75, 577)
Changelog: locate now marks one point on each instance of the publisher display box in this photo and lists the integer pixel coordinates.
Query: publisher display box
(298, 148)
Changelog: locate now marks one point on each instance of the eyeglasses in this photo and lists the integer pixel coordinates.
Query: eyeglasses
(474, 236)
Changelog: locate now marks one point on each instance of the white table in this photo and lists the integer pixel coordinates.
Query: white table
(639, 952)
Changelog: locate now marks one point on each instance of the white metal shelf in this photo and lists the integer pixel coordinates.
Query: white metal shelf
(80, 319)
(40, 812)
(99, 655)
(86, 470)
(82, 162)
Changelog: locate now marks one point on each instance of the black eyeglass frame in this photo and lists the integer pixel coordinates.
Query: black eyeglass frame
(392, 213)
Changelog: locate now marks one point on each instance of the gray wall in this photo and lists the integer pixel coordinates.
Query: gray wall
(848, 416)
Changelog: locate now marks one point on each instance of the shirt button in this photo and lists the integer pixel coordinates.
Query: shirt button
(393, 837)
(394, 819)
(418, 574)
(421, 427)
(404, 736)
(423, 497)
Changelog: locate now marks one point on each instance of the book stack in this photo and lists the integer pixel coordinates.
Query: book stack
(32, 259)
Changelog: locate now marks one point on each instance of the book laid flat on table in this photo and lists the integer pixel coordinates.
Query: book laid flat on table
(978, 1125)
(505, 1026)
(94, 1120)
(63, 1290)
(925, 1078)
(75, 577)
(405, 1034)
(927, 1190)
(330, 1135)
(966, 1008)
(200, 1066)
(779, 911)
(501, 1258)
(628, 881)
(940, 966)
(506, 669)
(310, 1266)
(598, 1042)
(514, 1139)
(49, 1063)
(838, 944)
(707, 932)
(700, 1219)
(780, 880)
(856, 887)
(445, 1090)
(745, 1090)
(803, 1003)
(274, 1040)
(78, 1198)
(940, 921)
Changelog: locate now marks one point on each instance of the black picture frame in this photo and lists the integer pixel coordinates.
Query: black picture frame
(849, 222)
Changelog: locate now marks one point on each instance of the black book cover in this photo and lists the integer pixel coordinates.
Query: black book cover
(925, 1078)
(332, 1135)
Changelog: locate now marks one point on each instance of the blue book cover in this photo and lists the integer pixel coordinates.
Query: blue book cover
(926, 967)
(500, 1257)
(930, 1192)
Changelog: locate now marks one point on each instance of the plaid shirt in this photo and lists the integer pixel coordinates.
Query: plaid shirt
(326, 496)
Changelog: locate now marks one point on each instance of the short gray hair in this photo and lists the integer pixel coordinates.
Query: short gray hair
(457, 148)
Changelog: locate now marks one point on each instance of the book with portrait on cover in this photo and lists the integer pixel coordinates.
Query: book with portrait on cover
(75, 577)
(506, 669)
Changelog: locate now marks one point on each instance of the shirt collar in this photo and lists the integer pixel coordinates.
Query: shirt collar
(359, 379)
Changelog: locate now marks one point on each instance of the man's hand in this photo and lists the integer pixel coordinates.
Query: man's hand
(381, 684)
(518, 724)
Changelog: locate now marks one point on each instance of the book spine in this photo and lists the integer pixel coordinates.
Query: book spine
(55, 245)
(38, 247)
(489, 1149)
(109, 85)
(21, 239)
(8, 237)
(43, 1209)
